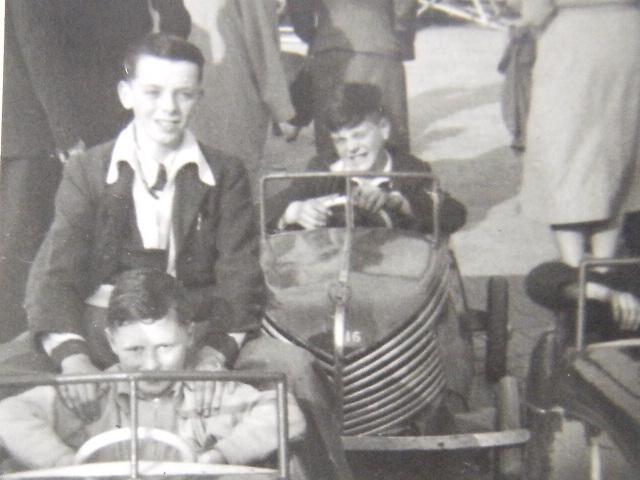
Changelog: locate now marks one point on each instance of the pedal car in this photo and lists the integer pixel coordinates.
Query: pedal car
(383, 311)
(584, 402)
(132, 466)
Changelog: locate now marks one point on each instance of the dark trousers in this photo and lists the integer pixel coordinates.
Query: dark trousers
(27, 190)
(332, 69)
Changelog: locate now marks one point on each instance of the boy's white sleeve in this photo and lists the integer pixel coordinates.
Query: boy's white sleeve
(254, 435)
(27, 429)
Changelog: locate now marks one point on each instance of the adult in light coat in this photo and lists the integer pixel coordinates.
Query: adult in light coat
(244, 80)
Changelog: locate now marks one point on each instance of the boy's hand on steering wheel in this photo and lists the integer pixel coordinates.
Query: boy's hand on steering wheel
(310, 214)
(373, 198)
(213, 457)
(626, 310)
(81, 398)
(370, 198)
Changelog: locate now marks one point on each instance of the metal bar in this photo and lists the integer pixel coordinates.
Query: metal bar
(112, 377)
(438, 442)
(133, 406)
(283, 429)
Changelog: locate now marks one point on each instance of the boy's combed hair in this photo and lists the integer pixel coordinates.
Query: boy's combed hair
(145, 295)
(161, 45)
(353, 104)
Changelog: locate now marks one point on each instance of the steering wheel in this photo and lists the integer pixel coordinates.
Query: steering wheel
(361, 217)
(119, 435)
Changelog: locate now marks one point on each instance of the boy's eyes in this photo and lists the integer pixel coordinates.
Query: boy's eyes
(162, 346)
(181, 95)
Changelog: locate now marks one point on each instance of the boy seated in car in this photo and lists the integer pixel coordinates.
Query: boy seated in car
(360, 129)
(149, 328)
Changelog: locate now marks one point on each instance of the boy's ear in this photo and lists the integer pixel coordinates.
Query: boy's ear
(125, 94)
(385, 127)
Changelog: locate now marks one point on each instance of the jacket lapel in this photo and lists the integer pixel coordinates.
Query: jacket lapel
(117, 207)
(189, 195)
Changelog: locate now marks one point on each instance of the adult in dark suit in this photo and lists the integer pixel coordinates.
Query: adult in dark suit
(361, 41)
(62, 60)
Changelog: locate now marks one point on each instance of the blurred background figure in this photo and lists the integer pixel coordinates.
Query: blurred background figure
(581, 172)
(244, 80)
(359, 41)
(62, 59)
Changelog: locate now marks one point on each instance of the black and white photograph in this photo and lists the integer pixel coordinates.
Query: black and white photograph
(320, 239)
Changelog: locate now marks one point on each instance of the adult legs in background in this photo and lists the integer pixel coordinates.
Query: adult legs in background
(331, 70)
(596, 239)
(27, 191)
(324, 459)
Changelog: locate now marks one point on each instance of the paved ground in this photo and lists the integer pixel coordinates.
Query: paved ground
(456, 124)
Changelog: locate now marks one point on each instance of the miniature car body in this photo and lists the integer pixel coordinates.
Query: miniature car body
(384, 313)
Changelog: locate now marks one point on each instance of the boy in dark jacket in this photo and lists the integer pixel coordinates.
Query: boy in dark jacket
(360, 129)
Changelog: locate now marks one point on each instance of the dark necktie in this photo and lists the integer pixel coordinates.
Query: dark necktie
(161, 180)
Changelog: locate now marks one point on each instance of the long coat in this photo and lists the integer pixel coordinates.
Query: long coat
(244, 80)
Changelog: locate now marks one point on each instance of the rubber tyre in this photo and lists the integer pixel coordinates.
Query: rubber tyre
(497, 328)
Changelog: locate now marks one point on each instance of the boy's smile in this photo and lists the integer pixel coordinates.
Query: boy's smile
(162, 95)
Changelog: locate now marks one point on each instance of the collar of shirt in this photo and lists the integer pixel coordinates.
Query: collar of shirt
(125, 150)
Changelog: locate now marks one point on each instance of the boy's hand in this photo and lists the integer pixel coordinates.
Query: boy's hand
(373, 198)
(626, 310)
(370, 198)
(81, 398)
(310, 214)
(212, 456)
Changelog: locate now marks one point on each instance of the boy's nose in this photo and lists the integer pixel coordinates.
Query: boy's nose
(168, 102)
(150, 362)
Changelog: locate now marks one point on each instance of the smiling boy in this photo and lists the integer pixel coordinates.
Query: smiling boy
(149, 331)
(152, 198)
(360, 130)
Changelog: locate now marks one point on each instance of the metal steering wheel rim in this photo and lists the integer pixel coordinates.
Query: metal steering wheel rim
(118, 435)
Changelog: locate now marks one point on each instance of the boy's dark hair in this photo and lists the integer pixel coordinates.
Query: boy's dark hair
(146, 295)
(353, 104)
(161, 45)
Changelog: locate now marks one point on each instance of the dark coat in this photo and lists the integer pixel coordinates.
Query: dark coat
(216, 243)
(452, 213)
(383, 27)
(62, 63)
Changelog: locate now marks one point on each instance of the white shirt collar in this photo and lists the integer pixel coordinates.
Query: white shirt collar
(189, 151)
